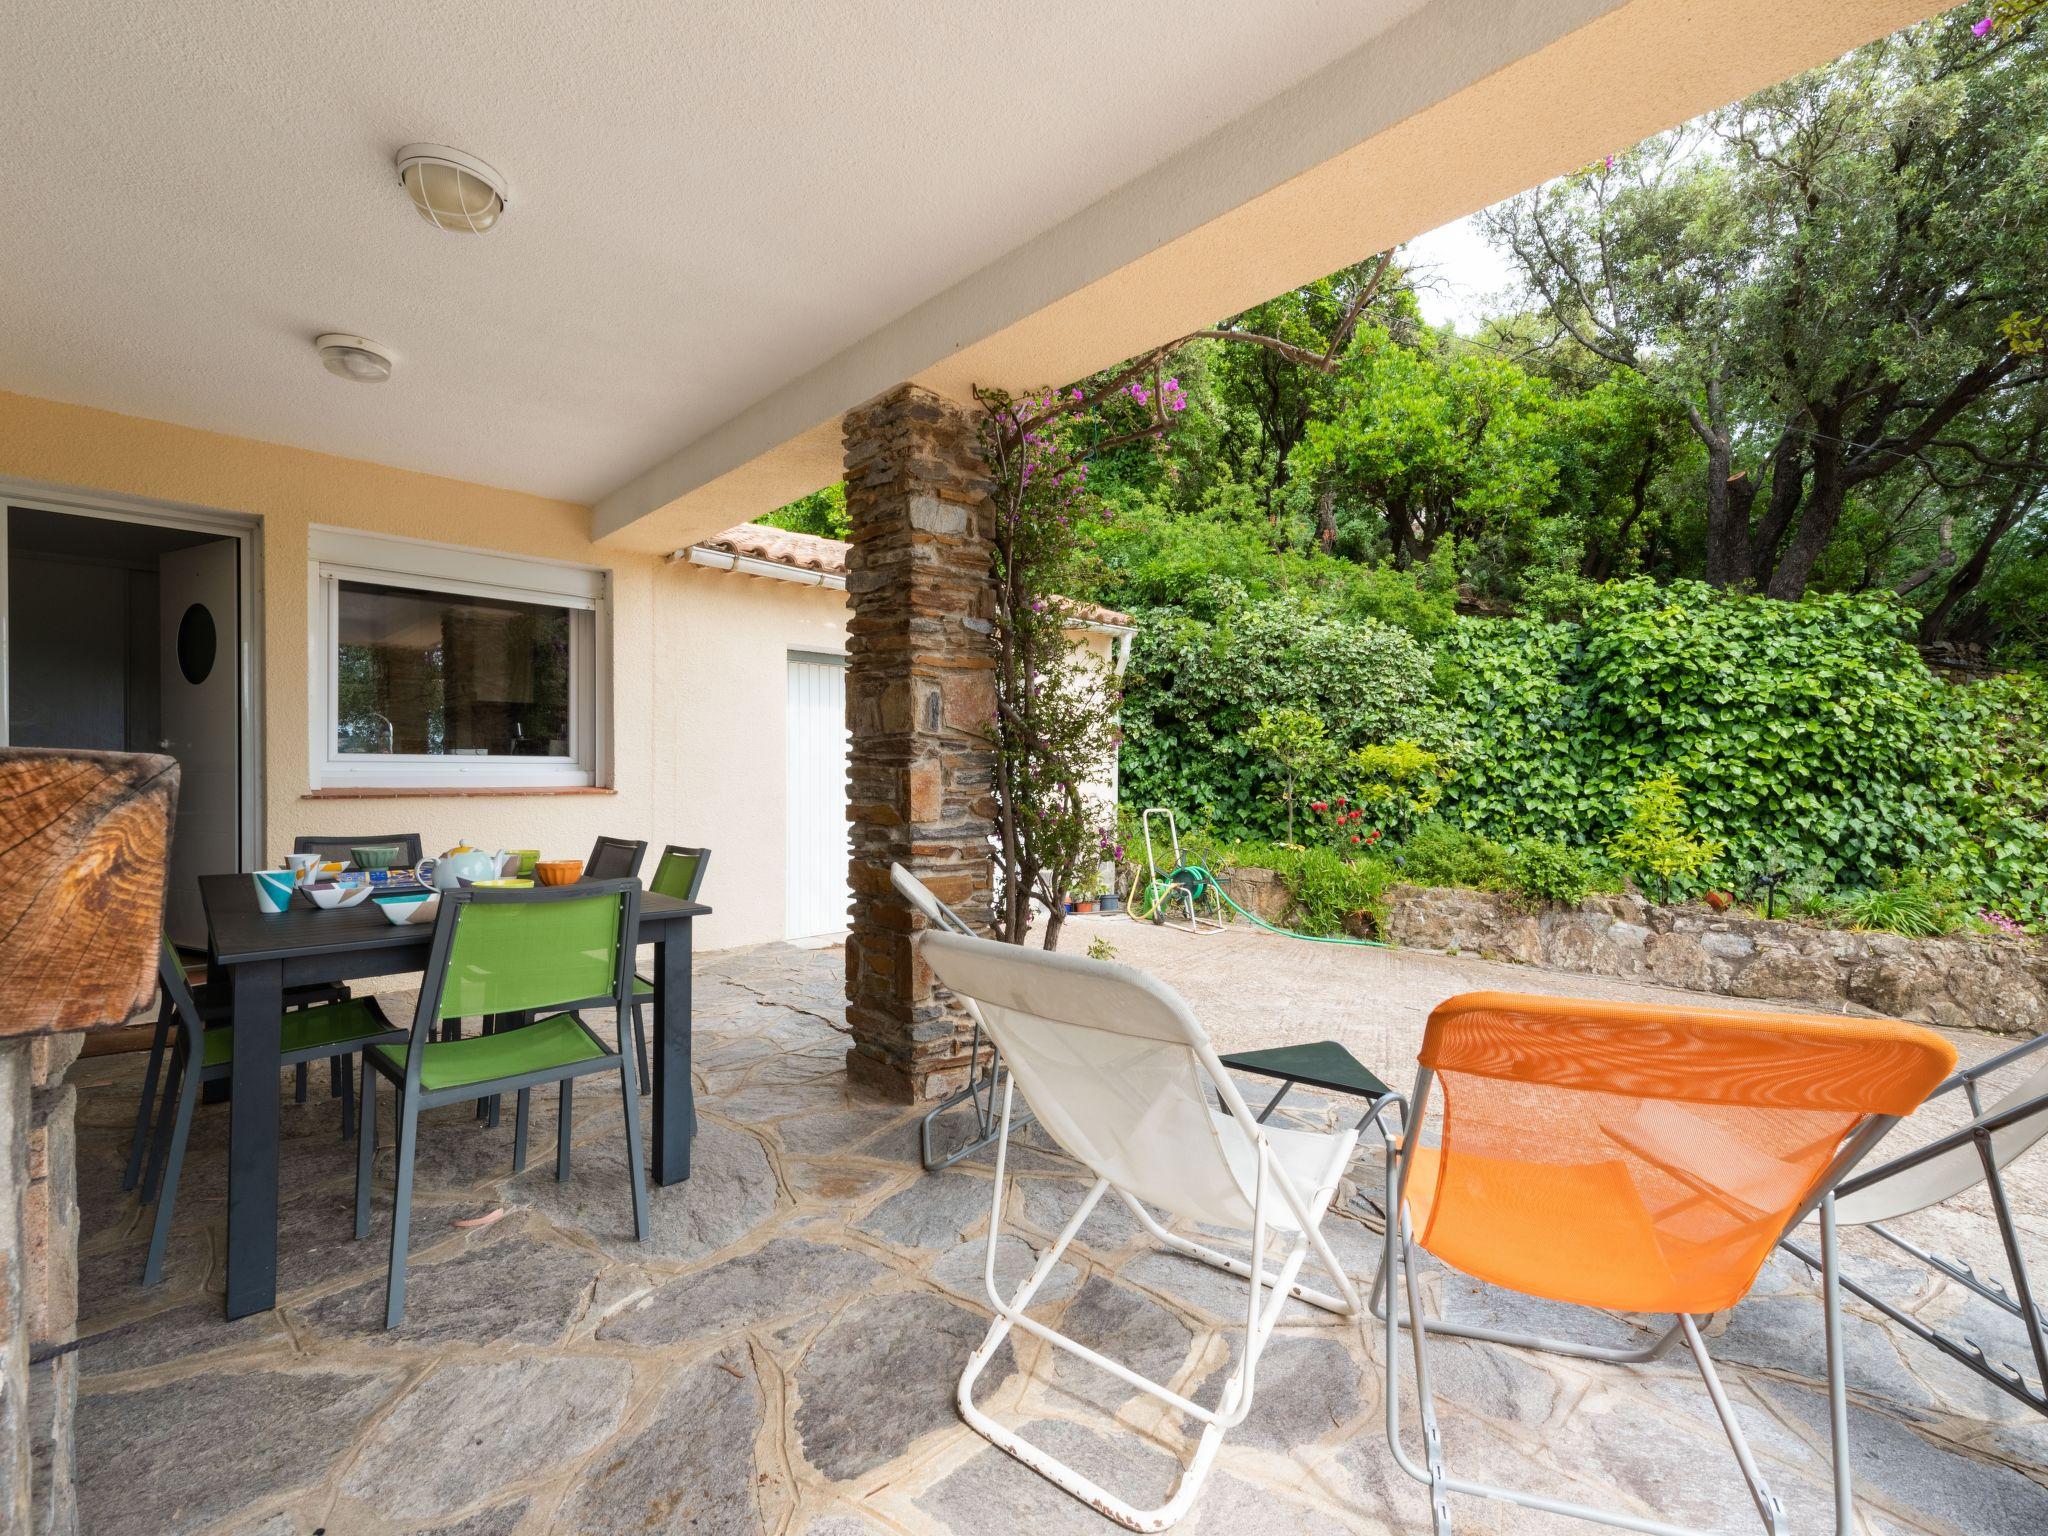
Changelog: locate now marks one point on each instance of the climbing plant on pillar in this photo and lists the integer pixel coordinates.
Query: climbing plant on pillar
(1054, 729)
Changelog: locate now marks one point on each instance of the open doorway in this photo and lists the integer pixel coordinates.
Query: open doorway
(126, 636)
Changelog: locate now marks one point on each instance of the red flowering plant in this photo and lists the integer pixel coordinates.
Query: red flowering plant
(1343, 825)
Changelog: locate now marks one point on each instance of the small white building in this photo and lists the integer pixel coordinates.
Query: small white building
(763, 612)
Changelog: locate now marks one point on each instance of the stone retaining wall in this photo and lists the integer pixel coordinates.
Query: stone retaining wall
(2000, 985)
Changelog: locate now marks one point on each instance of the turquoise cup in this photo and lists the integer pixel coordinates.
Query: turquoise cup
(274, 888)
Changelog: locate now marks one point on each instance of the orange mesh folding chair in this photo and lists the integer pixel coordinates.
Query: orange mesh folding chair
(1635, 1158)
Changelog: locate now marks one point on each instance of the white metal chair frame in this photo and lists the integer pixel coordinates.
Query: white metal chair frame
(1266, 1296)
(1399, 1259)
(2025, 1109)
(982, 1081)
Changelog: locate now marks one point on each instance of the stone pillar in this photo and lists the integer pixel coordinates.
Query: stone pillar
(51, 1254)
(82, 869)
(920, 698)
(16, 1423)
(38, 1284)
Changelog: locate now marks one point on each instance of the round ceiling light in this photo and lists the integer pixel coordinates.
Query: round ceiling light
(355, 358)
(451, 190)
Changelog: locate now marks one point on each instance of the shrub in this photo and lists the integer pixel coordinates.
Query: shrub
(1544, 869)
(1326, 888)
(1398, 783)
(1656, 841)
(1343, 826)
(1438, 853)
(1910, 904)
(1196, 688)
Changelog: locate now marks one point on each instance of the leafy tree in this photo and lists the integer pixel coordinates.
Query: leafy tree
(1298, 742)
(823, 513)
(1835, 279)
(1273, 397)
(1442, 439)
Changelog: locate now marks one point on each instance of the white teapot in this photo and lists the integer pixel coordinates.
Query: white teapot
(459, 863)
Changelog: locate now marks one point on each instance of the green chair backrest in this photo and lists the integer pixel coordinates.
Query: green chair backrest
(177, 993)
(509, 955)
(680, 872)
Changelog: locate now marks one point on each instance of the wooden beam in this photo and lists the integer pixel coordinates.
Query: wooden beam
(84, 840)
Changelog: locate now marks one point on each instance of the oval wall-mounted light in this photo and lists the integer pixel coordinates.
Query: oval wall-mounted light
(452, 190)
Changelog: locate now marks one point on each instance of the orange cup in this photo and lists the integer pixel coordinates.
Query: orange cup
(558, 871)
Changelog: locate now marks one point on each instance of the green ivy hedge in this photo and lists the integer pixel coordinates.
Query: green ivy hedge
(1808, 736)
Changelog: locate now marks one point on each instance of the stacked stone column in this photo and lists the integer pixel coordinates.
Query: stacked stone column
(38, 1284)
(920, 701)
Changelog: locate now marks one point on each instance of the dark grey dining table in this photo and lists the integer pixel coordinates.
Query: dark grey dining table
(257, 954)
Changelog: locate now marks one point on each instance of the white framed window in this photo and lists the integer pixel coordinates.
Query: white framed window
(438, 666)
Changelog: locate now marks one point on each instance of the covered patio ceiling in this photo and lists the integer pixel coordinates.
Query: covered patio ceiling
(730, 223)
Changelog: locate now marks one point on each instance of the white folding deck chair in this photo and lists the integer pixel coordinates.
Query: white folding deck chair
(1115, 1067)
(984, 1067)
(1976, 1153)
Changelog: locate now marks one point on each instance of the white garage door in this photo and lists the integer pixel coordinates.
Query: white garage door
(817, 836)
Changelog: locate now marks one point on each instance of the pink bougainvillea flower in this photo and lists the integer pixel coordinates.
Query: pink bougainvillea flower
(1985, 27)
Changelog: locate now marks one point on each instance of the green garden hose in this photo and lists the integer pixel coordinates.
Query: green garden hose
(1196, 882)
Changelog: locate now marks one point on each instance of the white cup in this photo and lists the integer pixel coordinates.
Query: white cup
(273, 889)
(304, 865)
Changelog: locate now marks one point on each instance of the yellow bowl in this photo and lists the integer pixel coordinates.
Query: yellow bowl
(503, 885)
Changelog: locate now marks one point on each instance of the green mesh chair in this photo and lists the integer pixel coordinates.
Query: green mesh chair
(680, 874)
(328, 1029)
(216, 1008)
(552, 950)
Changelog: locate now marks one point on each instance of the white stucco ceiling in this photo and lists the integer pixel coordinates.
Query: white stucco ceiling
(708, 199)
(733, 220)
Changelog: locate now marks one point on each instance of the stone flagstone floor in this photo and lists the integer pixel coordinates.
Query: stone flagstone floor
(780, 1354)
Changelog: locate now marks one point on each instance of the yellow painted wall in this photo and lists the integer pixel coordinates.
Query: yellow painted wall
(732, 635)
(698, 656)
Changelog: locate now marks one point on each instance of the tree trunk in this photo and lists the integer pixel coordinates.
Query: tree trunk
(1963, 581)
(1326, 520)
(1055, 920)
(1728, 494)
(1820, 512)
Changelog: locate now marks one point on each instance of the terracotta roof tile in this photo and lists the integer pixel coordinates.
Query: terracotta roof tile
(809, 552)
(800, 551)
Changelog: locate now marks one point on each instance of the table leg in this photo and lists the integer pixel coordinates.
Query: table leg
(215, 1092)
(252, 1140)
(675, 1103)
